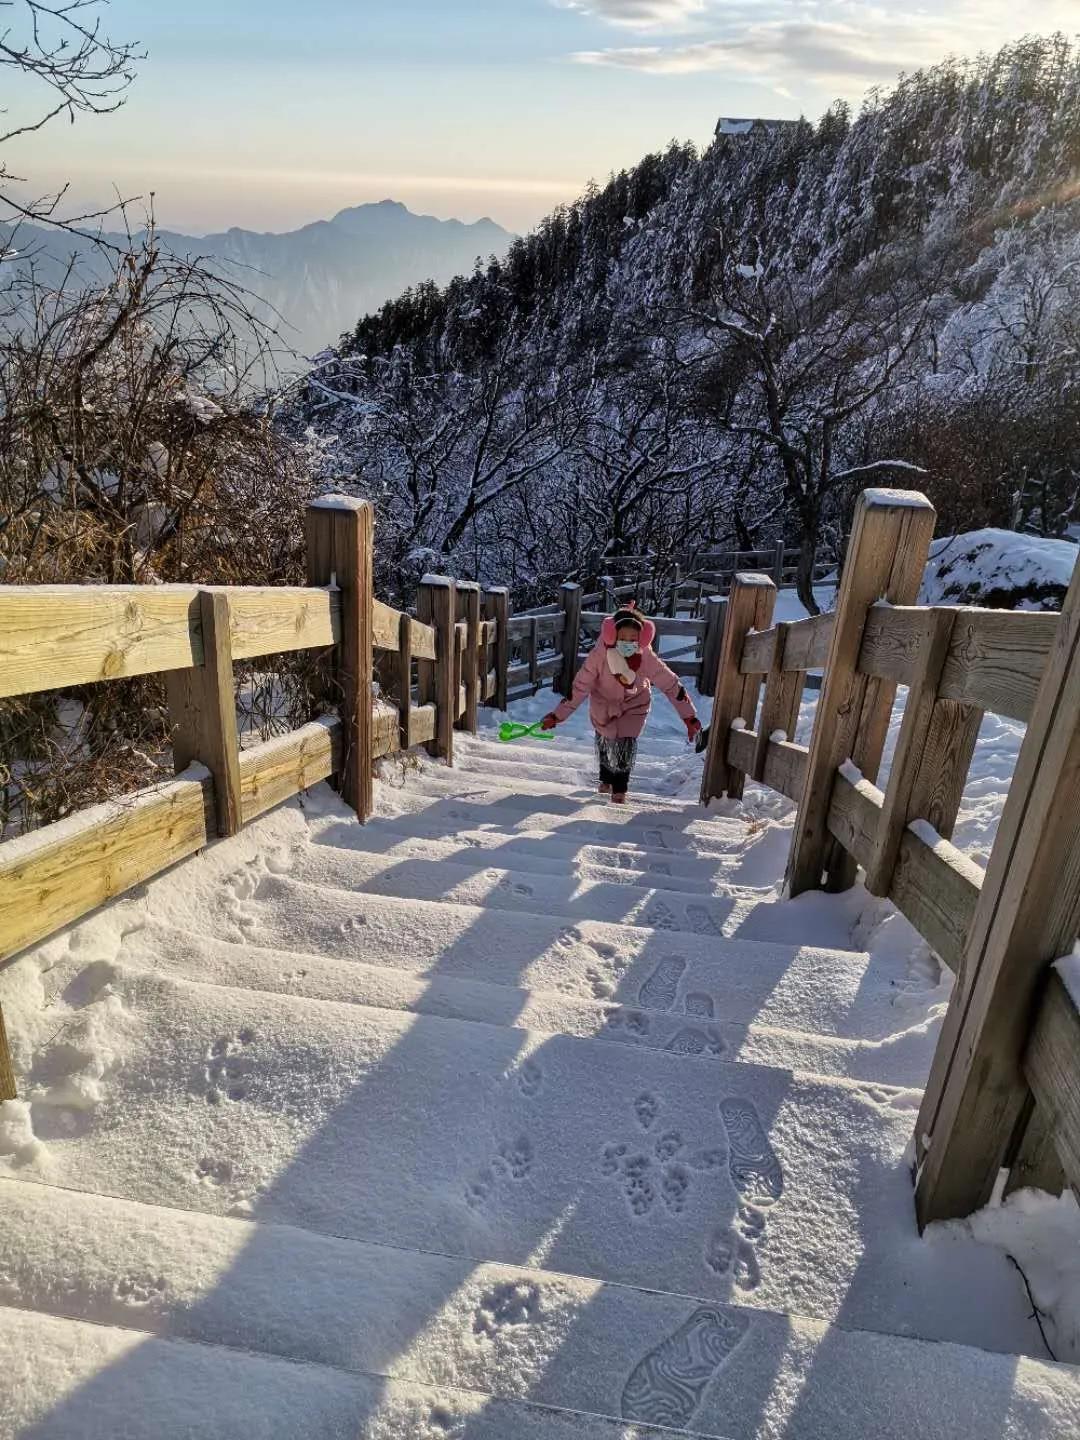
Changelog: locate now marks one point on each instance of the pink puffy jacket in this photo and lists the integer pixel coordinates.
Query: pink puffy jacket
(617, 711)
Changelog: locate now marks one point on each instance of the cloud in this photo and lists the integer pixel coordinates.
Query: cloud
(848, 44)
(639, 14)
(807, 48)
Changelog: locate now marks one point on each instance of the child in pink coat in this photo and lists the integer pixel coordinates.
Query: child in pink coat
(618, 677)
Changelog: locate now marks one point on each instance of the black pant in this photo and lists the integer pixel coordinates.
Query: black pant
(616, 759)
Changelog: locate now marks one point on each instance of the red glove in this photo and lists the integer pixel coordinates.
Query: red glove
(693, 729)
(549, 722)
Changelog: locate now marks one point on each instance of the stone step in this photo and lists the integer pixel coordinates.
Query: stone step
(712, 1180)
(383, 1332)
(697, 1030)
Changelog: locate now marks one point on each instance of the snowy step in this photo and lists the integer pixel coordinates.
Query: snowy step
(526, 848)
(495, 887)
(713, 1180)
(694, 1029)
(480, 849)
(594, 1354)
(660, 781)
(693, 830)
(807, 988)
(522, 789)
(97, 1382)
(654, 756)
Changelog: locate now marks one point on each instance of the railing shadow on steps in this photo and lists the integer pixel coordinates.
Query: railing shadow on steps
(1004, 1089)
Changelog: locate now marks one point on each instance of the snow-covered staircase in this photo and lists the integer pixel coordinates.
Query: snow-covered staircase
(511, 1114)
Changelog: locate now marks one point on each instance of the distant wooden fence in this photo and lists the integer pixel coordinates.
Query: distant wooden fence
(1005, 1084)
(689, 577)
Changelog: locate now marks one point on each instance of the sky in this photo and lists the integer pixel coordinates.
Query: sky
(270, 113)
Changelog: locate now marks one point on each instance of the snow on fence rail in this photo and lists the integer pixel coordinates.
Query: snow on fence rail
(1005, 1085)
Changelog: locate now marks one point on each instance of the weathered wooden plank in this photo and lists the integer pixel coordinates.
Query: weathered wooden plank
(758, 652)
(8, 1090)
(1029, 913)
(403, 688)
(421, 725)
(930, 642)
(808, 642)
(386, 632)
(52, 876)
(715, 610)
(780, 706)
(59, 635)
(435, 605)
(385, 729)
(933, 883)
(749, 607)
(665, 625)
(202, 713)
(1036, 1164)
(996, 657)
(570, 597)
(340, 541)
(468, 601)
(890, 541)
(280, 768)
(785, 762)
(1052, 1069)
(498, 607)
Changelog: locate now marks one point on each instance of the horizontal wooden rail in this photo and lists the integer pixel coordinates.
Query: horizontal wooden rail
(935, 885)
(387, 633)
(806, 647)
(996, 657)
(59, 635)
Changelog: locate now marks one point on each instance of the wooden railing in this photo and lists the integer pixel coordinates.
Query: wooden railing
(1005, 1085)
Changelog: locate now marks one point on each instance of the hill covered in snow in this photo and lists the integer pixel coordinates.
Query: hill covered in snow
(726, 346)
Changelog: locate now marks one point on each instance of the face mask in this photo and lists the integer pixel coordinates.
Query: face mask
(626, 648)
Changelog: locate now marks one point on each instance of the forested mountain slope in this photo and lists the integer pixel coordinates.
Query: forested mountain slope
(726, 346)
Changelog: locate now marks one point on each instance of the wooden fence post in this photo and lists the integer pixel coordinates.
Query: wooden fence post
(780, 707)
(202, 712)
(607, 584)
(570, 598)
(468, 609)
(676, 582)
(749, 607)
(339, 551)
(404, 679)
(778, 565)
(7, 1070)
(933, 753)
(534, 652)
(715, 609)
(890, 542)
(497, 606)
(435, 606)
(1028, 914)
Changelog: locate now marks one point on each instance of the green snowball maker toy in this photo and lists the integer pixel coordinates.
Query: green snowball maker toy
(509, 730)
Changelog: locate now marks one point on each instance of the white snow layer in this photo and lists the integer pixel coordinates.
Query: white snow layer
(999, 568)
(508, 1114)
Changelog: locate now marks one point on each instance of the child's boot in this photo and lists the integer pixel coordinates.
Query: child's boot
(618, 797)
(605, 789)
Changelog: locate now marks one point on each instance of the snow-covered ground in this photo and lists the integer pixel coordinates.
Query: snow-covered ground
(509, 1114)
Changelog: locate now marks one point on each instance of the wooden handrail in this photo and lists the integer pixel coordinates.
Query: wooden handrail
(997, 930)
